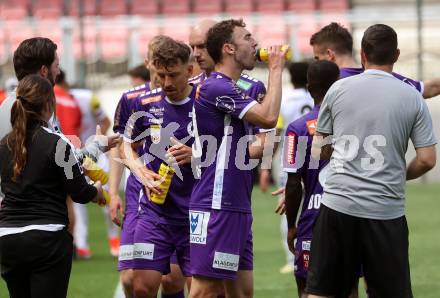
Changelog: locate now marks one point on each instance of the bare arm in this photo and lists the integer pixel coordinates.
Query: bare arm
(320, 148)
(266, 114)
(293, 197)
(116, 170)
(431, 88)
(135, 164)
(424, 161)
(105, 124)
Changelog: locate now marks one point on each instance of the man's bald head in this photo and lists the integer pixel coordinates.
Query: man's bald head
(197, 41)
(203, 26)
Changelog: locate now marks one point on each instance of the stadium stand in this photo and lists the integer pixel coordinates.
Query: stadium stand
(110, 8)
(208, 6)
(143, 7)
(236, 7)
(14, 9)
(175, 7)
(299, 6)
(274, 6)
(44, 9)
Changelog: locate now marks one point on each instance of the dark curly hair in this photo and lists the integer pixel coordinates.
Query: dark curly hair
(335, 36)
(218, 35)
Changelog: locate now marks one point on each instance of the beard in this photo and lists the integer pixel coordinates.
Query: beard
(51, 78)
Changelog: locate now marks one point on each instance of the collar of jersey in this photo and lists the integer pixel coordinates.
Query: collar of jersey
(177, 103)
(378, 72)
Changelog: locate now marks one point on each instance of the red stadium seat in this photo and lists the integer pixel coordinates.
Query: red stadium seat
(144, 7)
(234, 6)
(112, 7)
(113, 38)
(17, 31)
(265, 6)
(90, 8)
(177, 28)
(207, 6)
(271, 30)
(301, 33)
(44, 9)
(333, 5)
(52, 30)
(14, 9)
(145, 34)
(175, 7)
(301, 5)
(90, 40)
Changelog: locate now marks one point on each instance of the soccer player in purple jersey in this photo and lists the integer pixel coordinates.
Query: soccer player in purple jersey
(249, 85)
(220, 207)
(299, 166)
(334, 43)
(133, 187)
(164, 114)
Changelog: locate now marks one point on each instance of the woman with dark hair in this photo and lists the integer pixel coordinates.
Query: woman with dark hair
(38, 170)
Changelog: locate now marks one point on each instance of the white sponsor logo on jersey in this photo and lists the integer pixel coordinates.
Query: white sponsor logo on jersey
(225, 261)
(125, 252)
(198, 226)
(143, 251)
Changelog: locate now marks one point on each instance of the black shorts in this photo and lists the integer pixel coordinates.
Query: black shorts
(342, 243)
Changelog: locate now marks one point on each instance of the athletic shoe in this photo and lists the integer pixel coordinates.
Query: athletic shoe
(83, 253)
(114, 246)
(286, 269)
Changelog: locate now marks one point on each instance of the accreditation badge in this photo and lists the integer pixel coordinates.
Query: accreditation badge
(155, 133)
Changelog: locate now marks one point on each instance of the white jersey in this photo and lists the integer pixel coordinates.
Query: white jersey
(91, 112)
(295, 104)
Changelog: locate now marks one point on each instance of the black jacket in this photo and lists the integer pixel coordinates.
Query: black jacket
(51, 173)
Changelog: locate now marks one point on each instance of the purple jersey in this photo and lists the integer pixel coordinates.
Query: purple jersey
(351, 71)
(165, 119)
(122, 114)
(296, 159)
(125, 106)
(250, 86)
(225, 182)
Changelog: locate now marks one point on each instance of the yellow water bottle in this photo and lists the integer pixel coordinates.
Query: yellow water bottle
(167, 173)
(262, 54)
(96, 173)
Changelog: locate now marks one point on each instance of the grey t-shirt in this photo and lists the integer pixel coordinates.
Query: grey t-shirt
(372, 116)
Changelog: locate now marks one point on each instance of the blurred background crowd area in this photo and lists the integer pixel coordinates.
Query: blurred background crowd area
(99, 40)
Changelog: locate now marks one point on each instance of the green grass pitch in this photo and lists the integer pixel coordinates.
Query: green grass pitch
(98, 276)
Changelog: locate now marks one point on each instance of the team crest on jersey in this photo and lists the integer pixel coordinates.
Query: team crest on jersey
(155, 133)
(311, 126)
(225, 103)
(291, 139)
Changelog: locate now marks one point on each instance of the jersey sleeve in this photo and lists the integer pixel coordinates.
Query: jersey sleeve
(292, 156)
(122, 114)
(135, 125)
(422, 134)
(325, 120)
(257, 91)
(231, 100)
(72, 172)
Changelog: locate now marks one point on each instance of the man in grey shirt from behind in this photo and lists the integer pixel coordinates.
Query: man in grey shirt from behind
(371, 117)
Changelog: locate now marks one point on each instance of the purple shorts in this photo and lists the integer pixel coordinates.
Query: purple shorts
(125, 259)
(155, 243)
(302, 257)
(221, 243)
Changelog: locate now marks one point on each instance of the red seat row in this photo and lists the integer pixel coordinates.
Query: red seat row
(18, 9)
